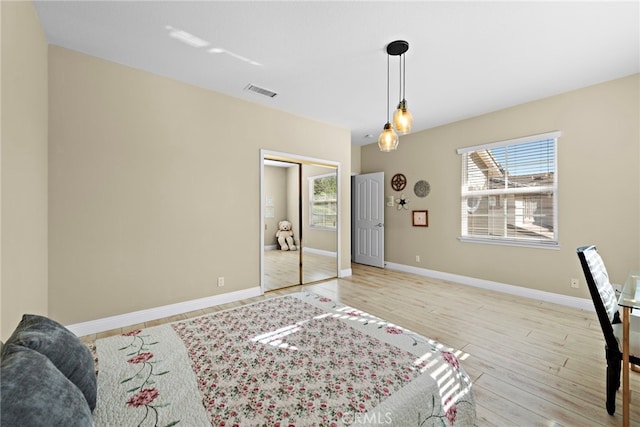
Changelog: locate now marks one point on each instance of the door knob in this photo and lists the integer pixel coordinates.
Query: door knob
(379, 224)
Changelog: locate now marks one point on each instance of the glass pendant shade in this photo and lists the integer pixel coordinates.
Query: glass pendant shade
(388, 140)
(402, 118)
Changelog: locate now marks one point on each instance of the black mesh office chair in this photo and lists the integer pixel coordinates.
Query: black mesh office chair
(605, 301)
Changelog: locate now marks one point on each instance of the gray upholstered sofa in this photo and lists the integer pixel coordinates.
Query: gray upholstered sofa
(47, 376)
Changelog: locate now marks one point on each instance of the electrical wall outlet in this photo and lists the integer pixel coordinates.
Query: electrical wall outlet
(417, 258)
(220, 281)
(575, 283)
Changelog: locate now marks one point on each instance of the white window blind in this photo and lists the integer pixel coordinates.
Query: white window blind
(509, 191)
(323, 191)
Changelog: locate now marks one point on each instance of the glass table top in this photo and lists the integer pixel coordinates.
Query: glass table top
(630, 296)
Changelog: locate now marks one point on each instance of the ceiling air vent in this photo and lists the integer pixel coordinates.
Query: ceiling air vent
(261, 91)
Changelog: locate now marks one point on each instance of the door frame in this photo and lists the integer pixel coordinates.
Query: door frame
(304, 160)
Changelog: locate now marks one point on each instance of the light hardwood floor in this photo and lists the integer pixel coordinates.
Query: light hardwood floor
(533, 363)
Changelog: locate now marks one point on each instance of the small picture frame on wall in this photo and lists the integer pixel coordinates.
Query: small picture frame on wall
(420, 218)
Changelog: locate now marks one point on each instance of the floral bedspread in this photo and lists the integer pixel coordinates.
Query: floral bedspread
(297, 360)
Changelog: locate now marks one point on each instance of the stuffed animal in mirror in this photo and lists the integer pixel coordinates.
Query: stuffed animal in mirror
(285, 236)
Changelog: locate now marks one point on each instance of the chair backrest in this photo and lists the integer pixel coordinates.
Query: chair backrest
(602, 292)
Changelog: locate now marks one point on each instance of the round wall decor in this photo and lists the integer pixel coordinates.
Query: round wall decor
(398, 182)
(422, 188)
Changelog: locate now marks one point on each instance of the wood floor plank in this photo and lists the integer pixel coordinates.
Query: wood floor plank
(509, 413)
(488, 418)
(567, 394)
(552, 413)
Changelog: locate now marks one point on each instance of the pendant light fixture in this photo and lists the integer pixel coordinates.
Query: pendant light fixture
(388, 139)
(402, 117)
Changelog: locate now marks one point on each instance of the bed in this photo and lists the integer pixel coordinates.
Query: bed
(296, 360)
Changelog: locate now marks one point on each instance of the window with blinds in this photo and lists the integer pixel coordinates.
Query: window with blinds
(509, 191)
(323, 198)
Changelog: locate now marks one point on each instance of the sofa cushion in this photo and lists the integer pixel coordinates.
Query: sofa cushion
(33, 392)
(66, 351)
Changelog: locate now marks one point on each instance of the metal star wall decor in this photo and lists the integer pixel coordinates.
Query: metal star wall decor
(402, 202)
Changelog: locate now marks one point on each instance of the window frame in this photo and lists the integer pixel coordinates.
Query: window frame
(312, 201)
(465, 194)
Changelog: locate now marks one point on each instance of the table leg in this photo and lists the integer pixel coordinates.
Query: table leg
(625, 366)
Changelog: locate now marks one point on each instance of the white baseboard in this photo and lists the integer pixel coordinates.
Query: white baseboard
(345, 272)
(122, 320)
(133, 318)
(575, 302)
(319, 252)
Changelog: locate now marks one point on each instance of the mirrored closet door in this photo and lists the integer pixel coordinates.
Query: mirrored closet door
(281, 186)
(305, 195)
(319, 223)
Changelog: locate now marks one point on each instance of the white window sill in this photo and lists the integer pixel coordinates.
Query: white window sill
(506, 242)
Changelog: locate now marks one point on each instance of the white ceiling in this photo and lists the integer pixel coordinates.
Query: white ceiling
(327, 60)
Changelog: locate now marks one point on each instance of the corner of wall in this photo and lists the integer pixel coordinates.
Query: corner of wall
(23, 162)
(356, 159)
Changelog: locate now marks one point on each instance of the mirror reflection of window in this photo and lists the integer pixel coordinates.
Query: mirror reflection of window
(323, 192)
(320, 218)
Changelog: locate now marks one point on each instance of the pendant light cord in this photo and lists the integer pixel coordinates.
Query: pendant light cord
(404, 76)
(399, 80)
(388, 117)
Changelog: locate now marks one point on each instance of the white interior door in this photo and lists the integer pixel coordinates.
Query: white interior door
(368, 213)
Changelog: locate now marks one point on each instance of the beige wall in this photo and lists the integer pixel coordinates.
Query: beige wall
(355, 159)
(599, 189)
(154, 186)
(23, 282)
(275, 188)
